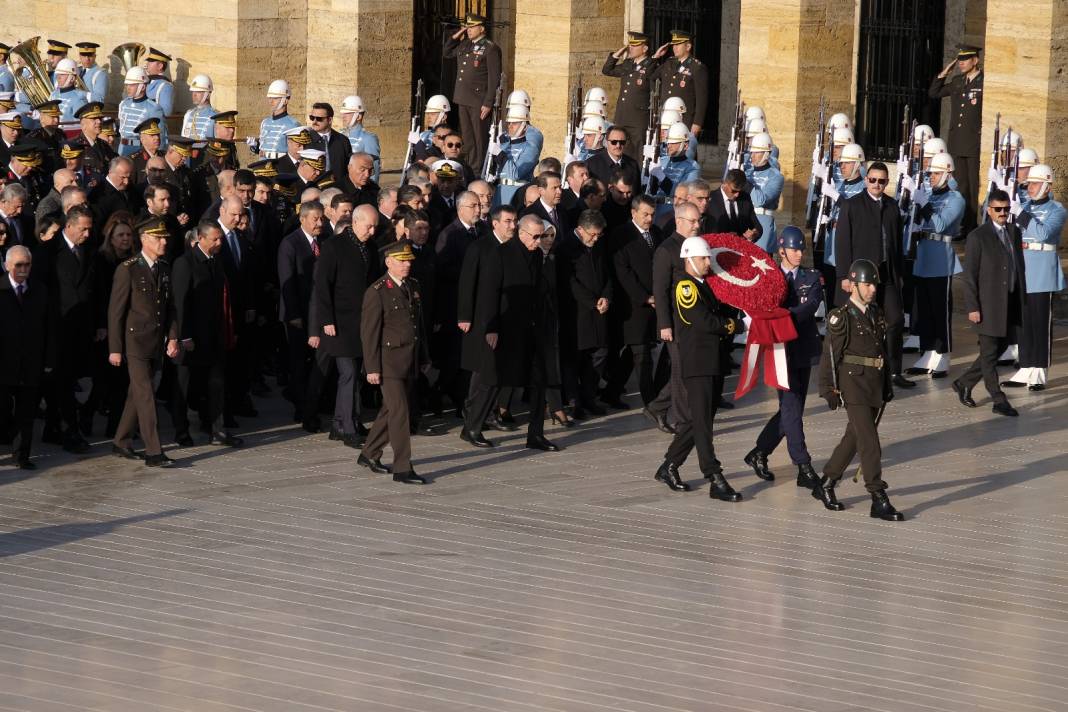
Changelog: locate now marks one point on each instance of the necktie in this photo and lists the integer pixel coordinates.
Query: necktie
(363, 250)
(235, 248)
(730, 208)
(155, 274)
(790, 277)
(315, 247)
(19, 291)
(552, 217)
(648, 239)
(77, 251)
(14, 231)
(472, 233)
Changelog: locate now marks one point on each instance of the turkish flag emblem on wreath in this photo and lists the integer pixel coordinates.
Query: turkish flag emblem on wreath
(747, 278)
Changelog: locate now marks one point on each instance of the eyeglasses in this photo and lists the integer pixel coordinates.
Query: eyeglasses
(618, 141)
(878, 181)
(536, 235)
(469, 206)
(313, 117)
(454, 145)
(1000, 209)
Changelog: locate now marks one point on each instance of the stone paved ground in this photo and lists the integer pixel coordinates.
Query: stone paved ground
(281, 577)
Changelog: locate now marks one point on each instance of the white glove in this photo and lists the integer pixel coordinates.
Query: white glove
(819, 171)
(253, 144)
(494, 148)
(1015, 208)
(732, 147)
(902, 167)
(907, 183)
(648, 151)
(816, 156)
(656, 172)
(570, 158)
(829, 191)
(920, 197)
(413, 137)
(993, 175)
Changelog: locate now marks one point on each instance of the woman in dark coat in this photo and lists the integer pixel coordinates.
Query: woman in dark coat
(547, 331)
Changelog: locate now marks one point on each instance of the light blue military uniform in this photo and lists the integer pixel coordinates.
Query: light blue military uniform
(131, 113)
(535, 138)
(70, 100)
(952, 185)
(846, 190)
(773, 159)
(7, 80)
(96, 81)
(678, 169)
(935, 256)
(520, 158)
(364, 141)
(767, 182)
(585, 153)
(24, 107)
(691, 147)
(1042, 267)
(273, 134)
(161, 91)
(197, 123)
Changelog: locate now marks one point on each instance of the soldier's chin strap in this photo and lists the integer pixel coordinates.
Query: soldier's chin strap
(279, 105)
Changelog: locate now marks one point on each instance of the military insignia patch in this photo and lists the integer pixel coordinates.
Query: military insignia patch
(834, 319)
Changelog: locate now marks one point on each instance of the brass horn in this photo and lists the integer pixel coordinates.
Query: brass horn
(31, 77)
(129, 55)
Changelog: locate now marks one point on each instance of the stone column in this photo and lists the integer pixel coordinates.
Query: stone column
(555, 43)
(792, 53)
(1026, 66)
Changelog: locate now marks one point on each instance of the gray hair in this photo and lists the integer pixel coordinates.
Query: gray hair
(361, 156)
(387, 194)
(9, 260)
(118, 162)
(13, 191)
(308, 208)
(327, 196)
(310, 195)
(68, 196)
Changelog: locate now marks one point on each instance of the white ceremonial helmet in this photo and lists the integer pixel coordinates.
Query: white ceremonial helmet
(852, 152)
(1027, 157)
(840, 121)
(933, 146)
(667, 118)
(596, 94)
(753, 113)
(922, 132)
(136, 75)
(594, 108)
(675, 103)
(941, 163)
(66, 66)
(694, 247)
(1040, 173)
(352, 104)
(761, 142)
(278, 89)
(678, 133)
(517, 113)
(594, 125)
(201, 82)
(1011, 139)
(437, 103)
(519, 98)
(754, 127)
(842, 136)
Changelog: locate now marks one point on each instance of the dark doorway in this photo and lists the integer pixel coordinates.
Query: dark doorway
(704, 20)
(434, 21)
(900, 51)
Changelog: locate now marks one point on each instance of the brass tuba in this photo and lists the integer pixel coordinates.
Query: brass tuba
(31, 77)
(129, 55)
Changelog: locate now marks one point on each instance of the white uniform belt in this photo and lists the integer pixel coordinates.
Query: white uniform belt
(271, 155)
(763, 211)
(510, 181)
(937, 237)
(1039, 246)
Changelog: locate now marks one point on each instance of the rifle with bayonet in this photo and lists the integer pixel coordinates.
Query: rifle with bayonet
(815, 183)
(826, 201)
(737, 146)
(651, 149)
(489, 165)
(574, 122)
(417, 115)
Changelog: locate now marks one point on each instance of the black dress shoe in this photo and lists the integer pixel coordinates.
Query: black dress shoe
(221, 438)
(806, 476)
(425, 431)
(1036, 387)
(902, 382)
(1003, 408)
(1012, 384)
(476, 439)
(361, 430)
(659, 420)
(725, 405)
(494, 422)
(668, 473)
(354, 440)
(964, 394)
(916, 371)
(506, 416)
(374, 465)
(408, 478)
(939, 374)
(124, 452)
(615, 402)
(539, 442)
(336, 434)
(759, 462)
(824, 492)
(159, 460)
(184, 440)
(311, 426)
(24, 463)
(882, 509)
(75, 444)
(721, 489)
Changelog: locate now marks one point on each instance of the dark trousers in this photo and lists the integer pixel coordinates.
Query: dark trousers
(448, 344)
(985, 366)
(348, 374)
(633, 357)
(1036, 336)
(481, 399)
(301, 357)
(209, 381)
(888, 297)
(139, 411)
(787, 421)
(475, 131)
(240, 367)
(861, 435)
(635, 141)
(391, 426)
(590, 367)
(19, 403)
(934, 305)
(62, 406)
(966, 171)
(704, 394)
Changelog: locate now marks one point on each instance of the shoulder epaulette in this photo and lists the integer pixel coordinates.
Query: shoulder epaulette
(838, 319)
(132, 260)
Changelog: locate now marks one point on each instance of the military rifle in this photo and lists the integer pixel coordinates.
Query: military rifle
(904, 159)
(417, 114)
(574, 121)
(652, 133)
(826, 204)
(737, 147)
(489, 170)
(815, 183)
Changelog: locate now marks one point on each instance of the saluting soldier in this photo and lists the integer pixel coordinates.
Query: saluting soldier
(197, 123)
(140, 320)
(135, 109)
(94, 76)
(965, 89)
(684, 76)
(478, 72)
(148, 132)
(394, 351)
(160, 89)
(635, 74)
(854, 373)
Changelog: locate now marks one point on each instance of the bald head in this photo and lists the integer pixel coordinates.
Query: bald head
(62, 178)
(226, 182)
(230, 211)
(364, 221)
(156, 163)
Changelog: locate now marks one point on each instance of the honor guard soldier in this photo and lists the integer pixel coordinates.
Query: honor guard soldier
(965, 92)
(49, 134)
(361, 140)
(674, 167)
(853, 373)
(197, 123)
(435, 114)
(804, 295)
(938, 224)
(149, 135)
(705, 325)
(70, 97)
(516, 158)
(767, 184)
(478, 72)
(635, 83)
(534, 135)
(593, 131)
(7, 79)
(272, 142)
(668, 118)
(135, 109)
(851, 168)
(94, 76)
(140, 321)
(394, 352)
(1041, 223)
(756, 123)
(684, 76)
(160, 89)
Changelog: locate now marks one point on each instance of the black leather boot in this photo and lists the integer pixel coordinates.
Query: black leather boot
(759, 462)
(721, 489)
(806, 476)
(668, 473)
(882, 509)
(824, 492)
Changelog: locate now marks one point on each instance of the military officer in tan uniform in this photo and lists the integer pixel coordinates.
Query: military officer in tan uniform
(631, 63)
(394, 351)
(478, 72)
(684, 76)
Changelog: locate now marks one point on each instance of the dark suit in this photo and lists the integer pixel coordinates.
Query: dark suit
(338, 150)
(601, 165)
(140, 318)
(871, 230)
(20, 231)
(587, 277)
(633, 268)
(564, 228)
(106, 200)
(244, 275)
(993, 285)
(28, 348)
(717, 217)
(296, 268)
(367, 195)
(446, 342)
(669, 268)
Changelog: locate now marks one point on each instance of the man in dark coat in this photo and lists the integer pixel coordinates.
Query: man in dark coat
(547, 206)
(603, 164)
(334, 144)
(205, 323)
(730, 209)
(114, 193)
(347, 266)
(357, 182)
(869, 228)
(27, 352)
(994, 293)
